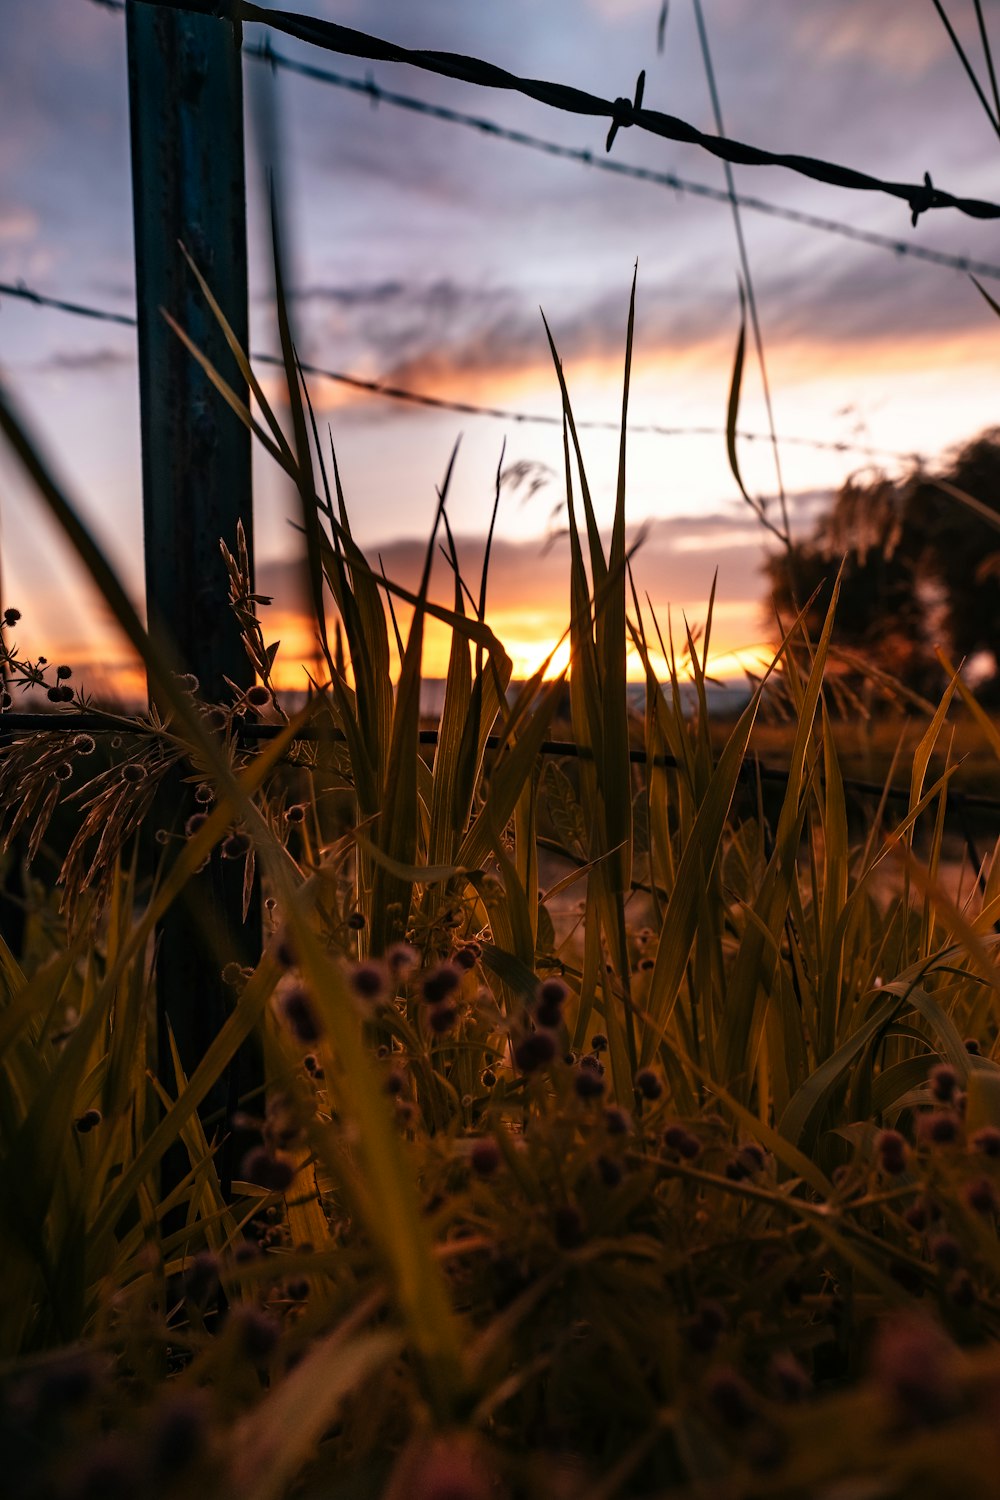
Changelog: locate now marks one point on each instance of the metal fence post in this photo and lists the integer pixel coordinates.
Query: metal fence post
(188, 180)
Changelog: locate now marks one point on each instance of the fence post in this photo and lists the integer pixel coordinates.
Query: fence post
(188, 182)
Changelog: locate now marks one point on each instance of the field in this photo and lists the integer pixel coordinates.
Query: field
(611, 1125)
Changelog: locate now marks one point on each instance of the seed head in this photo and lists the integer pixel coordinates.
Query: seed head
(944, 1082)
(914, 1363)
(402, 959)
(296, 813)
(300, 1014)
(194, 823)
(534, 1051)
(441, 1018)
(63, 771)
(63, 673)
(987, 1141)
(971, 1045)
(440, 983)
(946, 1250)
(485, 1157)
(201, 1277)
(258, 697)
(368, 981)
(256, 1332)
(940, 1128)
(11, 617)
(609, 1170)
(465, 957)
(649, 1084)
(617, 1121)
(488, 1078)
(235, 846)
(84, 744)
(981, 1196)
(179, 1433)
(891, 1151)
(356, 921)
(271, 1172)
(88, 1121)
(133, 771)
(588, 1083)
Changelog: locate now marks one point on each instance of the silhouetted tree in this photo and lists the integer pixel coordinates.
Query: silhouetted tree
(920, 566)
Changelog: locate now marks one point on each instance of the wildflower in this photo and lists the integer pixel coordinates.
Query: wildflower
(88, 1121)
(916, 1216)
(944, 1081)
(300, 1014)
(62, 673)
(368, 981)
(296, 813)
(235, 846)
(256, 1332)
(440, 983)
(68, 1381)
(201, 1277)
(914, 1363)
(84, 744)
(534, 1051)
(599, 1042)
(465, 958)
(592, 1064)
(730, 1396)
(133, 771)
(485, 1157)
(442, 1017)
(203, 793)
(946, 1250)
(609, 1170)
(588, 1083)
(11, 617)
(649, 1084)
(273, 1173)
(987, 1141)
(981, 1196)
(402, 959)
(63, 771)
(179, 1433)
(891, 1151)
(940, 1128)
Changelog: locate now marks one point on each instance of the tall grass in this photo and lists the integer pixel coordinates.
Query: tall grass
(604, 1213)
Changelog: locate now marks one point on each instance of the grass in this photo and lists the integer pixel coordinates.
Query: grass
(699, 1197)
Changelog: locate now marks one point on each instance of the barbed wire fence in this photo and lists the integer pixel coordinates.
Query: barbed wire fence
(25, 293)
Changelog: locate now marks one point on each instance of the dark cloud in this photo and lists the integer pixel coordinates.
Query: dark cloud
(86, 361)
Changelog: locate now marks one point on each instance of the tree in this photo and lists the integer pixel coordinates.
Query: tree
(921, 566)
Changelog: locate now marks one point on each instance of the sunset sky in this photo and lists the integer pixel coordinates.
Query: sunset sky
(423, 253)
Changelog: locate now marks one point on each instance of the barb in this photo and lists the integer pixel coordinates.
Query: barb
(332, 37)
(468, 408)
(376, 94)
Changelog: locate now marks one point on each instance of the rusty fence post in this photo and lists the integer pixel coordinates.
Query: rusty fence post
(188, 182)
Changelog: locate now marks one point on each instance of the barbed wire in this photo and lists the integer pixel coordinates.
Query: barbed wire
(623, 113)
(468, 408)
(377, 94)
(248, 733)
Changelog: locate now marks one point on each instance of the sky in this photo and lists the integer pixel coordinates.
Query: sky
(424, 254)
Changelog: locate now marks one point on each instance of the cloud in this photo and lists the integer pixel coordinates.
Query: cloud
(85, 361)
(17, 223)
(902, 40)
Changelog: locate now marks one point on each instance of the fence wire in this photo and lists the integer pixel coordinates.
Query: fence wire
(623, 113)
(368, 88)
(26, 293)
